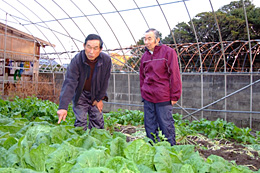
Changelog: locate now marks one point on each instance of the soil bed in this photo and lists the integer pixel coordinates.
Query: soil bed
(230, 151)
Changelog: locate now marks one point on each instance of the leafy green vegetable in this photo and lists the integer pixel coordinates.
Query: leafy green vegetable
(120, 164)
(9, 142)
(91, 158)
(31, 141)
(117, 147)
(166, 161)
(141, 153)
(65, 153)
(39, 155)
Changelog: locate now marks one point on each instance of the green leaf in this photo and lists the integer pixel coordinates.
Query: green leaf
(91, 158)
(93, 170)
(119, 134)
(22, 151)
(90, 142)
(7, 158)
(9, 142)
(213, 134)
(164, 160)
(9, 170)
(37, 134)
(58, 134)
(184, 152)
(63, 154)
(39, 155)
(76, 140)
(10, 128)
(145, 169)
(218, 164)
(4, 121)
(141, 153)
(101, 134)
(66, 167)
(117, 147)
(120, 164)
(198, 163)
(186, 168)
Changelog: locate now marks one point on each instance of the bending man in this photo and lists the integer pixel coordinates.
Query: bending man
(86, 83)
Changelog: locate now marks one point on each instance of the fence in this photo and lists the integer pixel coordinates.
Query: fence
(229, 96)
(203, 96)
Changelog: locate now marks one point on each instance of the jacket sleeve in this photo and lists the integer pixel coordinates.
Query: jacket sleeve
(103, 90)
(175, 79)
(69, 85)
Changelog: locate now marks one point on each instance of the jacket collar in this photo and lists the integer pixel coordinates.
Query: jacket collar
(156, 48)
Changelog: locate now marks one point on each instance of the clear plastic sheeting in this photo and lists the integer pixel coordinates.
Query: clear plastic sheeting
(65, 24)
(39, 37)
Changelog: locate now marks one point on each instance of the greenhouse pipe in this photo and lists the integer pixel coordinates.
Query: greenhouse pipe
(48, 28)
(58, 23)
(142, 14)
(208, 110)
(3, 90)
(128, 30)
(251, 67)
(35, 39)
(111, 31)
(201, 68)
(223, 54)
(245, 87)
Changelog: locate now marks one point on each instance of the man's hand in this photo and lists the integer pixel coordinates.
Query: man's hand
(173, 102)
(99, 105)
(62, 113)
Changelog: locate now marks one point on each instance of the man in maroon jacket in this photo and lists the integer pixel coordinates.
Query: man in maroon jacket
(160, 85)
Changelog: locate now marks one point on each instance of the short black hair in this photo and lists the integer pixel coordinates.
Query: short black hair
(94, 37)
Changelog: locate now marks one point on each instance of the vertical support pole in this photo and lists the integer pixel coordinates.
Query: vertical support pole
(34, 60)
(114, 83)
(54, 89)
(223, 55)
(225, 87)
(37, 72)
(201, 66)
(129, 89)
(251, 67)
(5, 35)
(181, 95)
(201, 91)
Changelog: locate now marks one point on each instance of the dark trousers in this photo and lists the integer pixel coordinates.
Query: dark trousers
(159, 115)
(84, 111)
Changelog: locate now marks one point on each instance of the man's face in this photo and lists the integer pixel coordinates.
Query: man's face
(92, 49)
(150, 41)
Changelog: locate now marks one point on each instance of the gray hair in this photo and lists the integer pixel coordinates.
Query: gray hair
(156, 33)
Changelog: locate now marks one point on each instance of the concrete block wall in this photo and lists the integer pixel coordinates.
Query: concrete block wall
(124, 91)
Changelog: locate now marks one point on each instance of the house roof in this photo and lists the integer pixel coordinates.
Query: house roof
(24, 35)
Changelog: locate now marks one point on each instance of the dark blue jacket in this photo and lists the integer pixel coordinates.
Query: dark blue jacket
(76, 75)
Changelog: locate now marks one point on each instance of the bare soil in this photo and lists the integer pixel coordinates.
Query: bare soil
(229, 150)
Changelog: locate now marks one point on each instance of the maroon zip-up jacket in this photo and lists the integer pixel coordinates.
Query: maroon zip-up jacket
(160, 75)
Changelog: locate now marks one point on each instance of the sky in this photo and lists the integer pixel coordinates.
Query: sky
(122, 23)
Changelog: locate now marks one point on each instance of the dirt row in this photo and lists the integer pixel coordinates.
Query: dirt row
(230, 151)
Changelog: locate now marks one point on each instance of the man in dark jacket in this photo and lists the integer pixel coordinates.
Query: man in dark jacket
(86, 83)
(160, 85)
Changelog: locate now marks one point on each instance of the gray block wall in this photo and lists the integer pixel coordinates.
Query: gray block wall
(124, 93)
